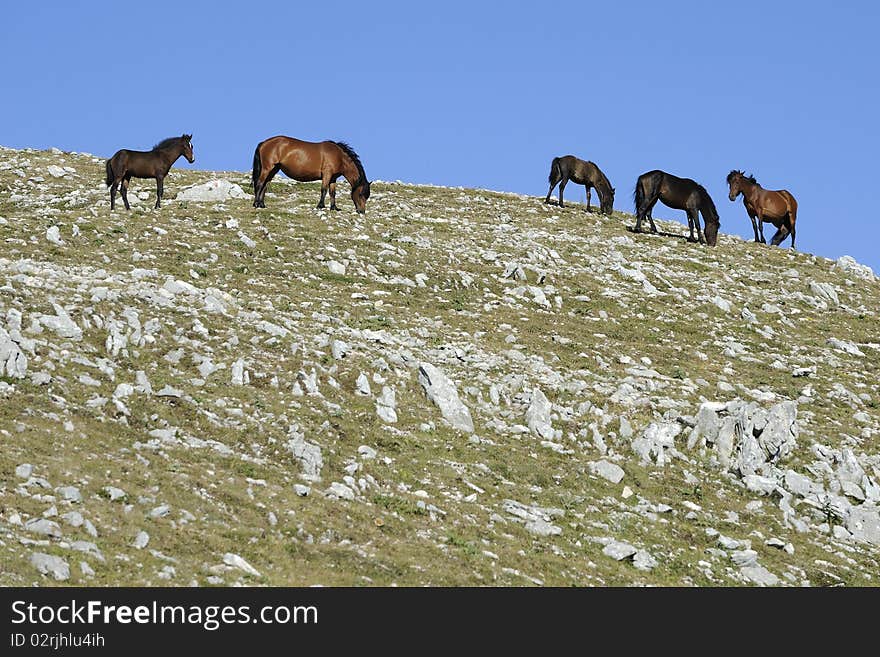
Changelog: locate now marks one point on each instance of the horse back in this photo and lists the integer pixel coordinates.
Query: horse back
(579, 171)
(298, 159)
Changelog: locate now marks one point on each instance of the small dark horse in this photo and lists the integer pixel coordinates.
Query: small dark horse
(679, 194)
(126, 164)
(778, 207)
(582, 172)
(307, 161)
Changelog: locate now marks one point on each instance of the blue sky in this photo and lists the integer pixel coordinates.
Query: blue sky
(478, 95)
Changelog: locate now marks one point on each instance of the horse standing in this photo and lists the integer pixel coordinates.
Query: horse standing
(126, 164)
(307, 161)
(586, 173)
(679, 194)
(776, 206)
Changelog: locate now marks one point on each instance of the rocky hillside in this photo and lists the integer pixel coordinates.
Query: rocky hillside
(462, 387)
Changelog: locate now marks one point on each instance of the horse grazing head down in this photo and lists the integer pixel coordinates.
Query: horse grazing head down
(736, 179)
(607, 202)
(710, 218)
(360, 193)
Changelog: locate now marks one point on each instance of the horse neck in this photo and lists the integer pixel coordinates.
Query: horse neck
(707, 207)
(170, 154)
(350, 171)
(750, 190)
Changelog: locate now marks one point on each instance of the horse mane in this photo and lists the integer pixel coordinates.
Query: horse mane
(165, 143)
(603, 178)
(348, 150)
(735, 172)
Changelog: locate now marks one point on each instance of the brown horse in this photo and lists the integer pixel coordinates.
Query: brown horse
(680, 194)
(126, 164)
(563, 169)
(307, 161)
(778, 207)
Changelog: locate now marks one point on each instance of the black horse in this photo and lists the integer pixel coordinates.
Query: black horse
(126, 164)
(679, 194)
(586, 173)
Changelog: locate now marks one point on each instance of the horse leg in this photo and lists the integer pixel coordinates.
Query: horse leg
(692, 216)
(755, 227)
(699, 230)
(123, 188)
(562, 185)
(325, 187)
(159, 181)
(113, 194)
(792, 218)
(589, 192)
(761, 228)
(263, 185)
(333, 196)
(554, 180)
(643, 212)
(780, 235)
(651, 217)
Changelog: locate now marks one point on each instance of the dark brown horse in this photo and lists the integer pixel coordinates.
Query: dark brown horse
(307, 161)
(776, 206)
(679, 194)
(126, 164)
(582, 172)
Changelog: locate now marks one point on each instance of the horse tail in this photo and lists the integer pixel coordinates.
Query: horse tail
(110, 175)
(638, 195)
(554, 168)
(258, 166)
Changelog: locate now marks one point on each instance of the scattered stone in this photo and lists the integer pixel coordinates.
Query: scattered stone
(231, 559)
(363, 385)
(643, 560)
(114, 493)
(440, 390)
(845, 346)
(386, 405)
(607, 470)
(48, 564)
(53, 234)
(336, 267)
(212, 191)
(657, 444)
(538, 415)
(760, 575)
(70, 493)
(141, 540)
(618, 550)
(339, 349)
(44, 527)
(307, 454)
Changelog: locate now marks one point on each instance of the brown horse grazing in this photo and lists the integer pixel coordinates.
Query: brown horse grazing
(679, 194)
(582, 172)
(126, 164)
(778, 207)
(307, 161)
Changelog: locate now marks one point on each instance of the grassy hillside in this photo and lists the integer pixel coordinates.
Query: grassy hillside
(194, 392)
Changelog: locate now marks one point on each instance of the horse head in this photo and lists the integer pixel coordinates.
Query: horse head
(188, 148)
(607, 202)
(360, 192)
